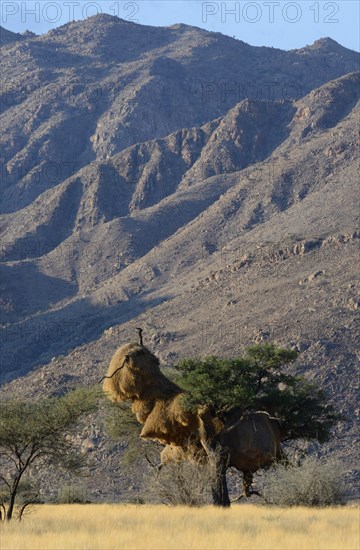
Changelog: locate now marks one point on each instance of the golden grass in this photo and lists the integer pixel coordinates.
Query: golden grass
(107, 526)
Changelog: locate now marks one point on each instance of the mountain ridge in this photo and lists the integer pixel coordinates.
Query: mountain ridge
(103, 111)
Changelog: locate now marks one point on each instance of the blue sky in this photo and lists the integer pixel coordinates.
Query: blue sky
(282, 24)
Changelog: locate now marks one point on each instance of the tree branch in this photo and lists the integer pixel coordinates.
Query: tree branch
(113, 374)
(9, 457)
(5, 481)
(155, 466)
(24, 506)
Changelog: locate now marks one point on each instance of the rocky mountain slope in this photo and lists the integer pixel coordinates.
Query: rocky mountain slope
(94, 88)
(185, 182)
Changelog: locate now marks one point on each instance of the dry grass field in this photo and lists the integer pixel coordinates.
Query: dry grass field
(245, 527)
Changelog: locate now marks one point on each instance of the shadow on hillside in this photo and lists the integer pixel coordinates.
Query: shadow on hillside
(36, 341)
(26, 291)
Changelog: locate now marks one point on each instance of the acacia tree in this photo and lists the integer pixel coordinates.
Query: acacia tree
(37, 432)
(259, 381)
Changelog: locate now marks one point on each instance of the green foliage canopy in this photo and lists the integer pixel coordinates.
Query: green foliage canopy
(258, 381)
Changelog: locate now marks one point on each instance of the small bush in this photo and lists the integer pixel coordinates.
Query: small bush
(71, 494)
(136, 500)
(183, 483)
(312, 482)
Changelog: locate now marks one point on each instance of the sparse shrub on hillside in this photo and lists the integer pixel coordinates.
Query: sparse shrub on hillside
(136, 500)
(121, 424)
(311, 482)
(120, 421)
(72, 494)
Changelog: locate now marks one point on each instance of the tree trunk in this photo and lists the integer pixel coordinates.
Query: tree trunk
(13, 494)
(11, 505)
(219, 489)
